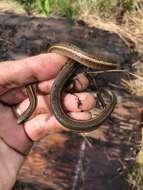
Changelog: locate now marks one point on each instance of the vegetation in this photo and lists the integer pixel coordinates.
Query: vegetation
(48, 7)
(135, 178)
(73, 8)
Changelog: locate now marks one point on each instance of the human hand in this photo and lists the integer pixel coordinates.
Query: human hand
(14, 75)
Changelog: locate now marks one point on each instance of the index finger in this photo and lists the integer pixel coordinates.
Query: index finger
(37, 68)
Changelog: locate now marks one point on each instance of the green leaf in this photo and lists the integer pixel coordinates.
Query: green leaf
(47, 7)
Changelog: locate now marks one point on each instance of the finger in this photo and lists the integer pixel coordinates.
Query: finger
(16, 95)
(70, 103)
(80, 115)
(79, 101)
(38, 68)
(42, 125)
(79, 83)
(45, 86)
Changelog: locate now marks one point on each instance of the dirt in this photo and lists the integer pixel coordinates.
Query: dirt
(67, 160)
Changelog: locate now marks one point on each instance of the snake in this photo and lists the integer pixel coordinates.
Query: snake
(76, 58)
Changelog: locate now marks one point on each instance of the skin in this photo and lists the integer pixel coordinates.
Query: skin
(15, 74)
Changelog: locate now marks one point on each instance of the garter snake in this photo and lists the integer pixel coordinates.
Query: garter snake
(76, 57)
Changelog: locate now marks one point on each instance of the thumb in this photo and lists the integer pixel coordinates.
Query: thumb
(37, 68)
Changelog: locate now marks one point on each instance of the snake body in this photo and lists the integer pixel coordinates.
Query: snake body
(76, 57)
